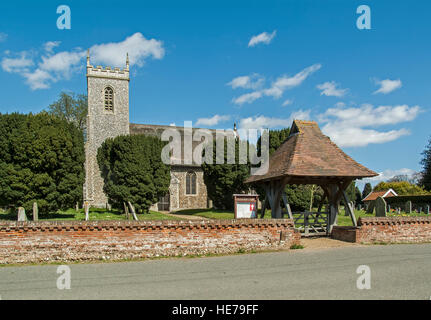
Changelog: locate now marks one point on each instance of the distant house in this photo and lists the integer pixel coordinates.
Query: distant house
(375, 194)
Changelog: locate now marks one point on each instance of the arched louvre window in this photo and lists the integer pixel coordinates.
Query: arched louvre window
(191, 183)
(109, 99)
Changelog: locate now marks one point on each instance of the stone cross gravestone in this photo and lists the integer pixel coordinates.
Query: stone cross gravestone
(408, 207)
(21, 214)
(380, 207)
(35, 212)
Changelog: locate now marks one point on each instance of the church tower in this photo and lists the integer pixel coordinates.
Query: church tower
(108, 117)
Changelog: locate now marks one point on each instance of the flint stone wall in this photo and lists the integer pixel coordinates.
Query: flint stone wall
(386, 230)
(43, 241)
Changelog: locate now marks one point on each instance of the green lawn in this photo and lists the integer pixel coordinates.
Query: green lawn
(95, 214)
(343, 220)
(214, 214)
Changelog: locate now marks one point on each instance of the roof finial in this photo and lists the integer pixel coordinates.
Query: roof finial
(127, 60)
(234, 126)
(88, 57)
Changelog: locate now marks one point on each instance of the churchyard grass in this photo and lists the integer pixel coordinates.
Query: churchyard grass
(342, 220)
(95, 214)
(214, 214)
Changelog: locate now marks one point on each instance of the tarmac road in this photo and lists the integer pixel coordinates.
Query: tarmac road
(397, 272)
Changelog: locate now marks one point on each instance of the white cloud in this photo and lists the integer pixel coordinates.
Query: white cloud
(388, 174)
(350, 127)
(138, 47)
(253, 81)
(287, 102)
(286, 82)
(330, 89)
(17, 65)
(388, 85)
(3, 36)
(212, 121)
(39, 79)
(279, 86)
(359, 137)
(53, 67)
(50, 45)
(263, 37)
(247, 98)
(262, 122)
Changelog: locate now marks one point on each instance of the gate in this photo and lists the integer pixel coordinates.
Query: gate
(311, 223)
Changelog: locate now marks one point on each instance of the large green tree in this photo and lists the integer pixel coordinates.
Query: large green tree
(41, 160)
(71, 107)
(425, 180)
(367, 190)
(402, 188)
(224, 180)
(133, 170)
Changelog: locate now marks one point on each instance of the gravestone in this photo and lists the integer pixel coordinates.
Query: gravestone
(370, 207)
(87, 211)
(35, 212)
(380, 207)
(21, 214)
(408, 207)
(126, 211)
(427, 209)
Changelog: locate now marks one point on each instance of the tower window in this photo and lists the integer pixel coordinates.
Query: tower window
(191, 183)
(109, 99)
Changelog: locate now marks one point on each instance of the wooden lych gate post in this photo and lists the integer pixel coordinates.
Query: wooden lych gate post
(274, 191)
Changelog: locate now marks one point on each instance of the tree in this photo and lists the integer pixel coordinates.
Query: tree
(425, 180)
(367, 190)
(41, 160)
(71, 107)
(224, 180)
(133, 170)
(401, 188)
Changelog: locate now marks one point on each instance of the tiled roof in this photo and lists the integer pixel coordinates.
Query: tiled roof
(307, 152)
(375, 194)
(157, 130)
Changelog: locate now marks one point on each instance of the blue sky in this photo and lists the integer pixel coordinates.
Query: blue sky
(196, 61)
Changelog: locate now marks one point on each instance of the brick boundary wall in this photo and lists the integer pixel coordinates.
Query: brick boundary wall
(386, 230)
(47, 241)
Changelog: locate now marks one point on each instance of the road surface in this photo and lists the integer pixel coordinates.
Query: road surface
(397, 272)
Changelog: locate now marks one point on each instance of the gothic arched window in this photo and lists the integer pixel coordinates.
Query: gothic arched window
(191, 183)
(109, 99)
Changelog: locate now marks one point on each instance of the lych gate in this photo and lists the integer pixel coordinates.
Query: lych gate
(309, 157)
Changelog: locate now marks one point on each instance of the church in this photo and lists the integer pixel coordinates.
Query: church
(108, 117)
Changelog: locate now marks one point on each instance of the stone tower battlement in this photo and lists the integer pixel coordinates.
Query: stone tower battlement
(108, 117)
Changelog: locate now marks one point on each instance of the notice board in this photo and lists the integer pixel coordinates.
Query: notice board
(245, 206)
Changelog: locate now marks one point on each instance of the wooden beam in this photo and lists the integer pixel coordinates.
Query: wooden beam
(262, 213)
(286, 204)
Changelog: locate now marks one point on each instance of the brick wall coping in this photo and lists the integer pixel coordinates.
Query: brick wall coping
(393, 220)
(150, 224)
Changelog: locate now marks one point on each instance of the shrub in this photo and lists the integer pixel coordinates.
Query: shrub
(132, 170)
(41, 160)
